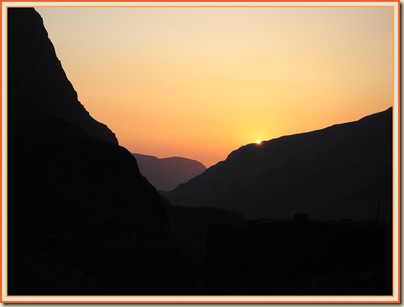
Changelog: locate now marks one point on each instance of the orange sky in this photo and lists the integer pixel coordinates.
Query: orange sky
(201, 82)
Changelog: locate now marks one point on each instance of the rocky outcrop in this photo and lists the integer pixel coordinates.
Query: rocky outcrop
(167, 173)
(36, 76)
(78, 208)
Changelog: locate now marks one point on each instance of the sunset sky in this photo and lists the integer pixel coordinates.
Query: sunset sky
(199, 82)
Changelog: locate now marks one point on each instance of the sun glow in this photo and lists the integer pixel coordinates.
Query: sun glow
(223, 74)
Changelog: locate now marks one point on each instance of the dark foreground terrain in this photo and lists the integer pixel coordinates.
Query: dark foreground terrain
(262, 258)
(291, 257)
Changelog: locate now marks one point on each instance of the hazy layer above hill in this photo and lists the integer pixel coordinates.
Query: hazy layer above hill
(167, 173)
(343, 171)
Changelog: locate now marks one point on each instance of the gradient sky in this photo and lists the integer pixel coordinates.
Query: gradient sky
(201, 82)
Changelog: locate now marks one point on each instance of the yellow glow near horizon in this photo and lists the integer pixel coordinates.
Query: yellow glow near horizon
(259, 142)
(202, 82)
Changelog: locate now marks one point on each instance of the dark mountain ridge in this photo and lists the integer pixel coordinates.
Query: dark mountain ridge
(167, 173)
(338, 172)
(81, 218)
(38, 79)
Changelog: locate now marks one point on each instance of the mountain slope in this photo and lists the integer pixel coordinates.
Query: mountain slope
(37, 76)
(78, 207)
(167, 173)
(339, 172)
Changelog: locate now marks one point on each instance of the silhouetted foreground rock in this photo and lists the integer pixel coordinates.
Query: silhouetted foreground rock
(343, 171)
(77, 204)
(36, 77)
(167, 173)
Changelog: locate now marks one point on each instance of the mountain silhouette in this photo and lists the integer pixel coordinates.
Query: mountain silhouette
(81, 218)
(37, 79)
(167, 173)
(340, 172)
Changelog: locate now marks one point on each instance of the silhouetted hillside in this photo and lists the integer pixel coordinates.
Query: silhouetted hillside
(339, 172)
(81, 218)
(167, 173)
(36, 76)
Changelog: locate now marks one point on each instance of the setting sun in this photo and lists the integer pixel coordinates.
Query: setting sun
(259, 142)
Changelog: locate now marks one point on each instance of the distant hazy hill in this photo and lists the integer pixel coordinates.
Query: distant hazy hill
(339, 172)
(167, 173)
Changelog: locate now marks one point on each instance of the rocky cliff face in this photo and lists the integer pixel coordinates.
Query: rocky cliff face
(343, 171)
(36, 76)
(79, 212)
